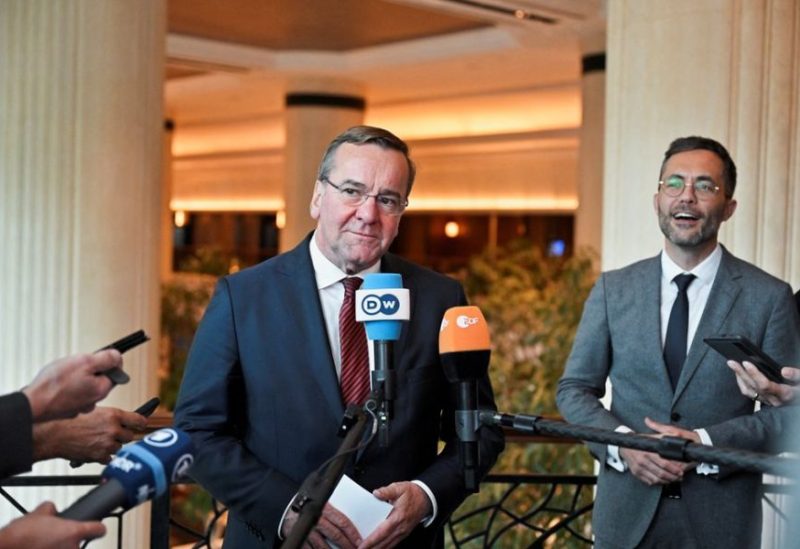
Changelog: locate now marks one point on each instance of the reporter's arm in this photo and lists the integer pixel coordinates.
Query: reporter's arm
(91, 437)
(42, 529)
(72, 385)
(753, 384)
(16, 434)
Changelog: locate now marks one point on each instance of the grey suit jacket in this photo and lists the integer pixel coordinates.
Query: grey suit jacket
(619, 339)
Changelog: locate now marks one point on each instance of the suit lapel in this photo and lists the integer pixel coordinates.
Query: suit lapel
(648, 306)
(316, 357)
(723, 295)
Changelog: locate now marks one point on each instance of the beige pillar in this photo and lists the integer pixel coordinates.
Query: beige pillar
(167, 217)
(80, 173)
(589, 215)
(316, 111)
(722, 69)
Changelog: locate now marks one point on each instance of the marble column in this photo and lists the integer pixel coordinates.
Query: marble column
(316, 112)
(722, 69)
(167, 216)
(589, 215)
(80, 197)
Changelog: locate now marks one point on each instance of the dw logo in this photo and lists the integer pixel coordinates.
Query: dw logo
(385, 304)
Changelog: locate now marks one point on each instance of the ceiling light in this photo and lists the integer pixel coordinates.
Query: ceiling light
(451, 229)
(180, 218)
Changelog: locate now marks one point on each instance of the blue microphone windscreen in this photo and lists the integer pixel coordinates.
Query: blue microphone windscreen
(383, 330)
(147, 467)
(377, 281)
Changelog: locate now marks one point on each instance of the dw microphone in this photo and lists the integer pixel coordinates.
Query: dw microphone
(382, 304)
(464, 351)
(140, 471)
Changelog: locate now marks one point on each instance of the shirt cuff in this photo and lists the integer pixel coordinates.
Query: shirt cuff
(283, 517)
(427, 521)
(706, 468)
(613, 459)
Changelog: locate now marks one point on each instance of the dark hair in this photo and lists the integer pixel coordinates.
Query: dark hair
(367, 135)
(694, 143)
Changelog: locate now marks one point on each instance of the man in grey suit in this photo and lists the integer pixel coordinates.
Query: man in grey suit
(643, 328)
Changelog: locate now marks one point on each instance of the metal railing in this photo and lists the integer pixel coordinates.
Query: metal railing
(511, 510)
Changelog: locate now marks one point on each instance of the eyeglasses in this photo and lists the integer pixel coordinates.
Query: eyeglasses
(352, 195)
(674, 185)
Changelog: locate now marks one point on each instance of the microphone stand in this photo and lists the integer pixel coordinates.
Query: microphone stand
(383, 383)
(318, 486)
(674, 448)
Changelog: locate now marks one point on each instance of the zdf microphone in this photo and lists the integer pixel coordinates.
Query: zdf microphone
(464, 350)
(138, 472)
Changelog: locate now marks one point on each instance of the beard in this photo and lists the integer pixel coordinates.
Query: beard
(705, 231)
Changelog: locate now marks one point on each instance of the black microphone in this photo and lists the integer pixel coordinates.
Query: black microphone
(464, 351)
(382, 304)
(139, 472)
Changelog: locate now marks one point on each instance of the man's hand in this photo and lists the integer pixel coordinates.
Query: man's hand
(753, 384)
(333, 525)
(88, 437)
(651, 468)
(410, 505)
(71, 385)
(664, 429)
(42, 529)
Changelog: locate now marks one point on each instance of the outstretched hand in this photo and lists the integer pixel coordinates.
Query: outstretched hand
(72, 385)
(42, 529)
(91, 437)
(753, 384)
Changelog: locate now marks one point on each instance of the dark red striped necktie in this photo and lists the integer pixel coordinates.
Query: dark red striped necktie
(355, 355)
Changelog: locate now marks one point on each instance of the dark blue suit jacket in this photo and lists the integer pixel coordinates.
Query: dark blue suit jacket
(261, 399)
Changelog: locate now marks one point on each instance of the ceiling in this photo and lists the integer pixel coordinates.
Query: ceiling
(336, 25)
(231, 63)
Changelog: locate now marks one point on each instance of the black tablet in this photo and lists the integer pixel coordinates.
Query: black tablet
(739, 348)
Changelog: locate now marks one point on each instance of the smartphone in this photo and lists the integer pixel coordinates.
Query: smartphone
(117, 375)
(148, 407)
(739, 348)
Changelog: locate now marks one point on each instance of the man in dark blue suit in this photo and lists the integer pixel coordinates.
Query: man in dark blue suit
(261, 395)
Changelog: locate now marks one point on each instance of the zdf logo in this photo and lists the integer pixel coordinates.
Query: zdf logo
(386, 304)
(464, 321)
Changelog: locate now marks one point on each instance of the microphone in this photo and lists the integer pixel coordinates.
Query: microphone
(382, 304)
(464, 351)
(138, 472)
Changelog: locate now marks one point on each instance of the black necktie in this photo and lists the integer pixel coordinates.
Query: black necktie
(675, 343)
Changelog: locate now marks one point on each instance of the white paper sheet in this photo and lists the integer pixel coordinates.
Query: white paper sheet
(363, 509)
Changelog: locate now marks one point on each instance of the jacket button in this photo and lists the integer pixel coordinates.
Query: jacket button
(675, 416)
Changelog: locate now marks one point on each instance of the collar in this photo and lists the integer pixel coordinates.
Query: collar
(705, 271)
(328, 274)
